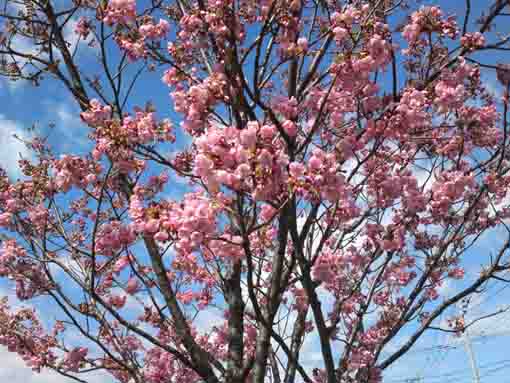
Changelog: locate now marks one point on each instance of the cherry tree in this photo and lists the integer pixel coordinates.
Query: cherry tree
(339, 159)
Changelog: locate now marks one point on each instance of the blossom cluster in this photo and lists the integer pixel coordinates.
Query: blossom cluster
(120, 11)
(428, 20)
(248, 159)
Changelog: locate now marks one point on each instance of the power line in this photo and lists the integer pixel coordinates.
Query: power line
(460, 374)
(490, 372)
(455, 374)
(446, 347)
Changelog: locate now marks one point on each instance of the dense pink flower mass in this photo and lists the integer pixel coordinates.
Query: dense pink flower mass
(120, 11)
(317, 175)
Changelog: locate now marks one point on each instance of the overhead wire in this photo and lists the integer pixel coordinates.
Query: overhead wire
(501, 364)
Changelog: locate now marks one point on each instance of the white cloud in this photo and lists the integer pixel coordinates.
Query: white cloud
(73, 39)
(492, 85)
(12, 148)
(69, 126)
(14, 370)
(208, 319)
(14, 85)
(27, 46)
(484, 316)
(492, 326)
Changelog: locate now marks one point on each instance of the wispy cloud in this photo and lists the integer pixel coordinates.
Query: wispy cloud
(68, 126)
(77, 46)
(14, 370)
(12, 148)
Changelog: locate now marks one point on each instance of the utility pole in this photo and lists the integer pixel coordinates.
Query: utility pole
(471, 355)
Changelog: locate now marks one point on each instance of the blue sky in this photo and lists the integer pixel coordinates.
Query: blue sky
(437, 358)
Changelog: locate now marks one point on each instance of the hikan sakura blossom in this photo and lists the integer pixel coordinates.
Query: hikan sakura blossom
(310, 176)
